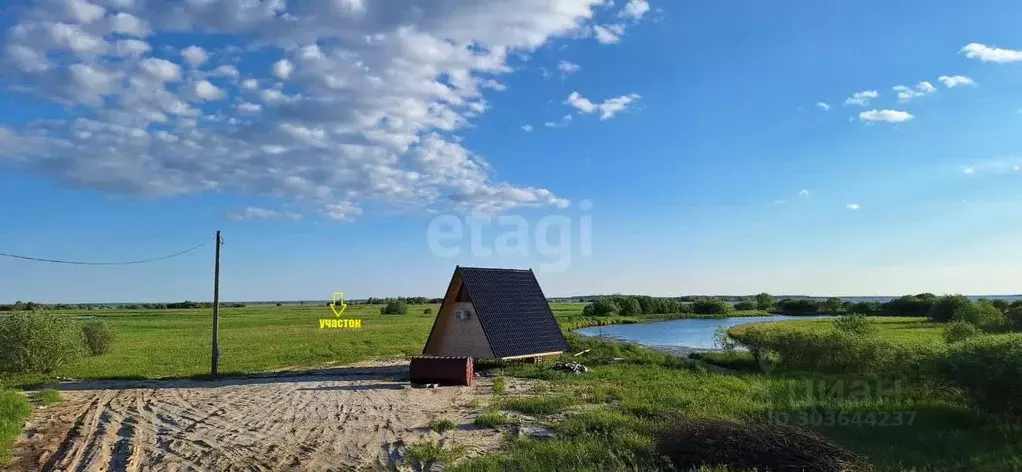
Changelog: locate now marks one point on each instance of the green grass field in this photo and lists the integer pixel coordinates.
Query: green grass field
(895, 329)
(177, 343)
(170, 343)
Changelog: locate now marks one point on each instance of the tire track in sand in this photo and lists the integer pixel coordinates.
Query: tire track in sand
(315, 422)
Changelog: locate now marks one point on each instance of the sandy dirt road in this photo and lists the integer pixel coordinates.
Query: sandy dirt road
(353, 418)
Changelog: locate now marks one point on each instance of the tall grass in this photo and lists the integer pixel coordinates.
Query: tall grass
(646, 390)
(14, 411)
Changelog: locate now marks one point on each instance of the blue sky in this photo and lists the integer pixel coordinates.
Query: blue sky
(712, 147)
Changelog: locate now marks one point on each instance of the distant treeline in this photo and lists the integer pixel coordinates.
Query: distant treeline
(908, 305)
(408, 300)
(631, 305)
(33, 306)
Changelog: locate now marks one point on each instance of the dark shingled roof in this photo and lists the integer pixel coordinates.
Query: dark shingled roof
(513, 311)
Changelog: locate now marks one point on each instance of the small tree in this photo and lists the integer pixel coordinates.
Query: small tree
(1001, 304)
(1014, 318)
(746, 305)
(856, 324)
(427, 311)
(99, 338)
(712, 307)
(945, 307)
(957, 331)
(601, 307)
(764, 301)
(396, 307)
(38, 342)
(981, 313)
(628, 306)
(832, 305)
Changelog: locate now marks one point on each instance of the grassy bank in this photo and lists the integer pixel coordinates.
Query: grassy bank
(623, 411)
(902, 330)
(14, 410)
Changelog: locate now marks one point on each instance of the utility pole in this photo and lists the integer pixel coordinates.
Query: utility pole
(216, 307)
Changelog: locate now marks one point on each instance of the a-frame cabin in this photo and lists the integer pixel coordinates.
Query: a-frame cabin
(495, 314)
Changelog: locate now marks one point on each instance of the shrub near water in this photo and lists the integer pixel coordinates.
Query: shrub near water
(855, 324)
(834, 351)
(989, 370)
(981, 313)
(957, 331)
(99, 337)
(38, 342)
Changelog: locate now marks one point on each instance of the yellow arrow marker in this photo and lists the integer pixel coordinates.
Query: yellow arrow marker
(338, 298)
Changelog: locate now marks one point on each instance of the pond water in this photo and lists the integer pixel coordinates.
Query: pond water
(689, 333)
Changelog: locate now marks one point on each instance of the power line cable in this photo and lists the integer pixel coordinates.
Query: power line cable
(56, 261)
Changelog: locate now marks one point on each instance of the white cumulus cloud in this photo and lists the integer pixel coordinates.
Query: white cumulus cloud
(955, 81)
(634, 9)
(255, 213)
(608, 34)
(852, 206)
(888, 116)
(608, 108)
(907, 93)
(194, 55)
(986, 53)
(375, 101)
(862, 98)
(527, 128)
(282, 69)
(161, 68)
(205, 90)
(567, 68)
(823, 106)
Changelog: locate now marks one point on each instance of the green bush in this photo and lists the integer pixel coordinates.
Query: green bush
(989, 370)
(50, 397)
(835, 352)
(712, 307)
(855, 323)
(492, 420)
(1014, 318)
(601, 307)
(628, 306)
(38, 342)
(99, 337)
(427, 311)
(945, 307)
(745, 306)
(426, 455)
(982, 313)
(396, 307)
(499, 385)
(956, 331)
(440, 426)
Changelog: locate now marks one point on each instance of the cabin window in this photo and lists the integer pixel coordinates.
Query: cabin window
(461, 315)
